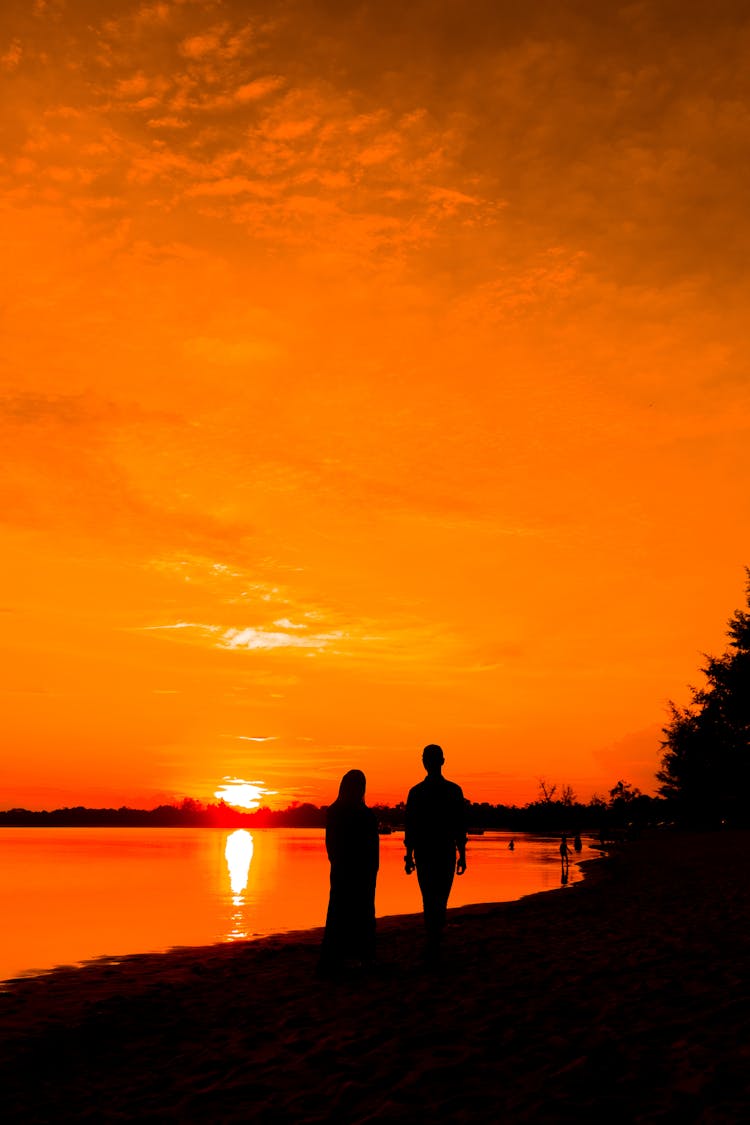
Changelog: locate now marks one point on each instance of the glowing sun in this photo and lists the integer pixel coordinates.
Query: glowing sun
(242, 794)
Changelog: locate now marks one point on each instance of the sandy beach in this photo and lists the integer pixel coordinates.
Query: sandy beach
(623, 998)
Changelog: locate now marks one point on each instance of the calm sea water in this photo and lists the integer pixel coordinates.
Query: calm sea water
(69, 895)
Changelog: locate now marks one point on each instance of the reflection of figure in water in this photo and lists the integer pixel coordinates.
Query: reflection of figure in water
(352, 844)
(577, 845)
(512, 845)
(435, 834)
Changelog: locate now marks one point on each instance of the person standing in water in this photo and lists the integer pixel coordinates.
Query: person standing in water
(564, 857)
(353, 848)
(435, 840)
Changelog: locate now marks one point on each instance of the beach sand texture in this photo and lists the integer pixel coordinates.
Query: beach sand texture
(621, 999)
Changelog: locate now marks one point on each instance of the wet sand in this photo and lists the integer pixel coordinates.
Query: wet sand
(624, 998)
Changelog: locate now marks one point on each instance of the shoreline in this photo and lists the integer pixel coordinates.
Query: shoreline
(114, 952)
(310, 935)
(627, 996)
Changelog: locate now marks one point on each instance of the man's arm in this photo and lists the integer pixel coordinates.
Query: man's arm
(409, 864)
(460, 832)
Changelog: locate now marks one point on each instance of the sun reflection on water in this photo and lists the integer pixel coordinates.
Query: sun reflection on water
(238, 853)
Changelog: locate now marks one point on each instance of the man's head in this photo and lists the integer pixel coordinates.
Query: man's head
(432, 758)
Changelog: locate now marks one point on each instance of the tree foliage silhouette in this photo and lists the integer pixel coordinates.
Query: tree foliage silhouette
(706, 749)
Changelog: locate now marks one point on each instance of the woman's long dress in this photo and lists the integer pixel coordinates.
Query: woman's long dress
(352, 844)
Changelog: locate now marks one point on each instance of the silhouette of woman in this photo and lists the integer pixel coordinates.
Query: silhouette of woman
(353, 847)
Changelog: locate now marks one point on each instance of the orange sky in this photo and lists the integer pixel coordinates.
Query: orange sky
(372, 375)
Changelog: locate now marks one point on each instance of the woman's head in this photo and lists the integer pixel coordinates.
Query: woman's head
(352, 787)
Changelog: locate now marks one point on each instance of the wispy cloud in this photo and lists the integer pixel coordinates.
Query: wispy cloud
(251, 638)
(183, 625)
(231, 123)
(255, 738)
(11, 56)
(254, 639)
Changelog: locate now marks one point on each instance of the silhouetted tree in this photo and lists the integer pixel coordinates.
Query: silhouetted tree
(548, 791)
(623, 792)
(706, 750)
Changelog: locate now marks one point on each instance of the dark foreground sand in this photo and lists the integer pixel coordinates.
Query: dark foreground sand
(621, 999)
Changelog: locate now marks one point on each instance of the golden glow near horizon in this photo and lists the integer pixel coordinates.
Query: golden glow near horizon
(372, 375)
(242, 794)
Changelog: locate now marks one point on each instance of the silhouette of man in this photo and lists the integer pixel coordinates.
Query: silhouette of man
(435, 823)
(564, 858)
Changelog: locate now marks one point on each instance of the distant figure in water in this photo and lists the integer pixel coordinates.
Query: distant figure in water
(577, 845)
(512, 845)
(435, 839)
(564, 856)
(353, 846)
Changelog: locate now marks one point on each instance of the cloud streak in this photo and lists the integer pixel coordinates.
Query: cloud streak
(254, 639)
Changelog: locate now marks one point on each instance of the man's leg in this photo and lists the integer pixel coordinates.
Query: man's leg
(435, 880)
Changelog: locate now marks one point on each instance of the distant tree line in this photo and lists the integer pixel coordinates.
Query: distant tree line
(625, 808)
(189, 813)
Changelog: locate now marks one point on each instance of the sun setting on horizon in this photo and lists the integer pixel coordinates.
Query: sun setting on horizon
(372, 376)
(242, 794)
